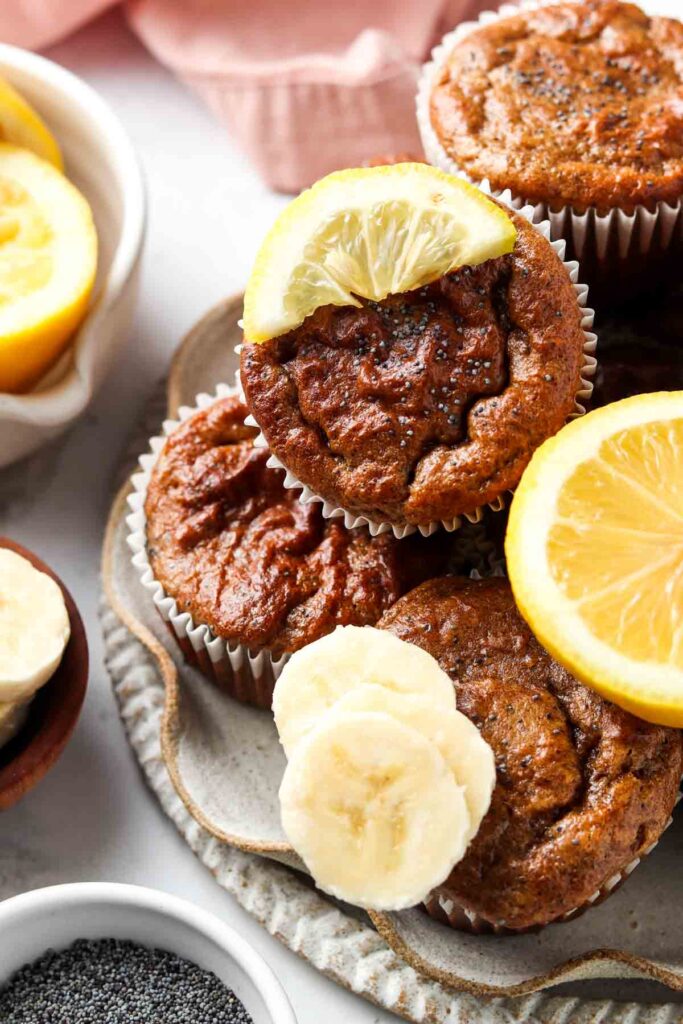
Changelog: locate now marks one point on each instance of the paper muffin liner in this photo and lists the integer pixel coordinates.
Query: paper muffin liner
(450, 913)
(602, 240)
(377, 526)
(248, 676)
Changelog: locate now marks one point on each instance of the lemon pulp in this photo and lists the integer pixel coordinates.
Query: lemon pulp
(616, 549)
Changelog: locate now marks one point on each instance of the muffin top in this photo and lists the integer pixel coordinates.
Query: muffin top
(242, 555)
(427, 404)
(583, 788)
(576, 104)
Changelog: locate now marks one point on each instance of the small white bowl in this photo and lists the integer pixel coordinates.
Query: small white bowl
(101, 161)
(55, 917)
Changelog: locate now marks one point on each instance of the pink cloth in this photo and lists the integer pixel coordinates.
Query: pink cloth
(305, 86)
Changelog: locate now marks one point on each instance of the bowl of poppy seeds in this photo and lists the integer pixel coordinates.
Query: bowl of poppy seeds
(101, 953)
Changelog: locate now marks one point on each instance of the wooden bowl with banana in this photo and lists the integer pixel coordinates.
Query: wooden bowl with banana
(43, 670)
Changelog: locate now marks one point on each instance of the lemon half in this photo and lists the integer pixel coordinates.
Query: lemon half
(20, 125)
(48, 259)
(595, 552)
(369, 233)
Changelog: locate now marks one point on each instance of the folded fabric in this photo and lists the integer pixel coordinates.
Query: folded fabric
(35, 24)
(303, 86)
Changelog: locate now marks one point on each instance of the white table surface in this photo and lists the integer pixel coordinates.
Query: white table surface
(93, 818)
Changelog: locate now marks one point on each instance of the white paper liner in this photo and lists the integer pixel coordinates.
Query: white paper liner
(593, 235)
(351, 521)
(246, 675)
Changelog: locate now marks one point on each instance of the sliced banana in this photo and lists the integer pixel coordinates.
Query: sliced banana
(34, 627)
(373, 810)
(459, 742)
(319, 674)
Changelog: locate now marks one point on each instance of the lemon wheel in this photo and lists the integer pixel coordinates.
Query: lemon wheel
(595, 552)
(48, 258)
(368, 233)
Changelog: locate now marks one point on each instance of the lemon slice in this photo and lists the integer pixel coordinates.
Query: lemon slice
(21, 126)
(368, 233)
(595, 552)
(48, 258)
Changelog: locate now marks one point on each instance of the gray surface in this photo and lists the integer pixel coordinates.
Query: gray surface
(93, 818)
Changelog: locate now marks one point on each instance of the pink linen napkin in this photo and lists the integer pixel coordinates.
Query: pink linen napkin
(305, 86)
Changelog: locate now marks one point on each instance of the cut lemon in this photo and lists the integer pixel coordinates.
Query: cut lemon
(369, 233)
(48, 258)
(595, 552)
(21, 126)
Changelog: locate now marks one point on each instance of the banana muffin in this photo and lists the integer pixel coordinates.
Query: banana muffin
(583, 788)
(426, 405)
(574, 104)
(578, 109)
(241, 555)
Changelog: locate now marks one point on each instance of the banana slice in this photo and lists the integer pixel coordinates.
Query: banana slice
(34, 627)
(319, 674)
(373, 810)
(459, 742)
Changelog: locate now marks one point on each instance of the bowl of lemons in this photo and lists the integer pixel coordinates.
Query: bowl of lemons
(72, 217)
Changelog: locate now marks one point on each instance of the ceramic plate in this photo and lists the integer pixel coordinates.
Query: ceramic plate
(225, 764)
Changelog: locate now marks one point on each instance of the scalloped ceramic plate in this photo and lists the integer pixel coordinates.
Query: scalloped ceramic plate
(225, 763)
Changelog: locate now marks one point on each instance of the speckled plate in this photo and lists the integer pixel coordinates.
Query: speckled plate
(216, 766)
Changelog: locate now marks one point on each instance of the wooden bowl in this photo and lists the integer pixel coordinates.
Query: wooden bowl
(54, 710)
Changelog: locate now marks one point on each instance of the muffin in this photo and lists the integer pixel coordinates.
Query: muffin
(244, 573)
(583, 789)
(425, 406)
(576, 108)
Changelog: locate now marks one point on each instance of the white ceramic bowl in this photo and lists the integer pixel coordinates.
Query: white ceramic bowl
(101, 161)
(57, 916)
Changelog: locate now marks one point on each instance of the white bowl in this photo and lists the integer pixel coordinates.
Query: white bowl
(101, 161)
(55, 917)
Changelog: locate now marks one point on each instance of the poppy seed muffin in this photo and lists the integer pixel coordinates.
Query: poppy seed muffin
(583, 788)
(244, 557)
(426, 405)
(575, 104)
